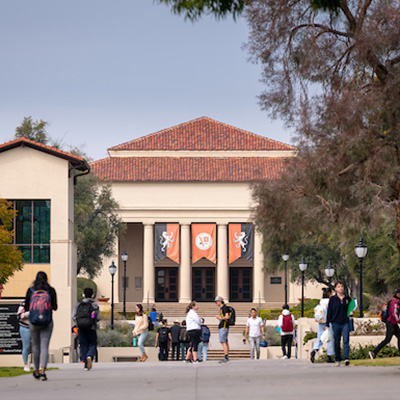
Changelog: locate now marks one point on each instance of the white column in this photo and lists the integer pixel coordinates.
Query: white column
(185, 284)
(222, 263)
(258, 273)
(148, 264)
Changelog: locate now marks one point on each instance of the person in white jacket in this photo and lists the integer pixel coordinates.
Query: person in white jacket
(286, 323)
(193, 326)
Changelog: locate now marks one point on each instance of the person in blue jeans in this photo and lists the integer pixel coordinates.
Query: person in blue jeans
(205, 340)
(337, 316)
(23, 319)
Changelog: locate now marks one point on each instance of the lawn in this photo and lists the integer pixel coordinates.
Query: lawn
(8, 372)
(378, 362)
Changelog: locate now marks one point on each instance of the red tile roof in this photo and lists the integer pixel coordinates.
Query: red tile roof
(79, 162)
(203, 134)
(188, 169)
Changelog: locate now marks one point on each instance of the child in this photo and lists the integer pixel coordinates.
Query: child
(163, 340)
(286, 323)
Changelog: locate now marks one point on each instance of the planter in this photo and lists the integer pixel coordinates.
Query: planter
(103, 299)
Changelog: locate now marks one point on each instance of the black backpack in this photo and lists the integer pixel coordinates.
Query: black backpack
(232, 316)
(163, 334)
(150, 323)
(84, 315)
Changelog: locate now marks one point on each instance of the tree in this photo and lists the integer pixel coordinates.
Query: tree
(33, 130)
(11, 259)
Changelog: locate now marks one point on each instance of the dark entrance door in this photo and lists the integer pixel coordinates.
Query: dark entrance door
(241, 280)
(203, 288)
(166, 284)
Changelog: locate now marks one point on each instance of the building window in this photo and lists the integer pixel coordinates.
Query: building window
(276, 280)
(32, 230)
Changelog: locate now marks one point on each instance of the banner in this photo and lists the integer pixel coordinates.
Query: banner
(240, 242)
(204, 243)
(166, 242)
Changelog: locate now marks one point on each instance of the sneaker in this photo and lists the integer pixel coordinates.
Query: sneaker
(188, 361)
(196, 361)
(43, 376)
(372, 355)
(284, 358)
(346, 363)
(36, 375)
(312, 356)
(27, 369)
(89, 363)
(85, 369)
(337, 364)
(224, 361)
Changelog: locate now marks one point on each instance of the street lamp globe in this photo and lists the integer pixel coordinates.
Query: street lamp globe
(329, 270)
(124, 256)
(303, 265)
(112, 268)
(285, 257)
(360, 249)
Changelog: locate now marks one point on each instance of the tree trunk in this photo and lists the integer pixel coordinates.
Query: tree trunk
(398, 217)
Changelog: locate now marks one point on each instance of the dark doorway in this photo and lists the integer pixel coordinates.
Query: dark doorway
(203, 288)
(166, 284)
(241, 280)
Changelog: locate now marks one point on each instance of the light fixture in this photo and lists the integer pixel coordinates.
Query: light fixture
(124, 256)
(112, 268)
(360, 249)
(303, 265)
(329, 270)
(285, 257)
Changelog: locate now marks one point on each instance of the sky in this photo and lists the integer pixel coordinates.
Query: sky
(105, 72)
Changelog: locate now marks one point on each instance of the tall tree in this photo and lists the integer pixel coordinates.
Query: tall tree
(33, 130)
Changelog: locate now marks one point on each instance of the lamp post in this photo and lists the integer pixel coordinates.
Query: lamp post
(124, 257)
(113, 269)
(285, 257)
(329, 271)
(361, 251)
(303, 267)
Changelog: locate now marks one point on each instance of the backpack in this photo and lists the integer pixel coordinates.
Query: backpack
(205, 334)
(384, 314)
(287, 323)
(163, 335)
(320, 314)
(84, 315)
(183, 337)
(40, 311)
(232, 316)
(150, 326)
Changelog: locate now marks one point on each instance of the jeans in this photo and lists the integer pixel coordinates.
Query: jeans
(391, 330)
(203, 348)
(286, 341)
(255, 345)
(175, 348)
(318, 344)
(26, 342)
(163, 351)
(88, 343)
(340, 330)
(184, 349)
(141, 337)
(40, 344)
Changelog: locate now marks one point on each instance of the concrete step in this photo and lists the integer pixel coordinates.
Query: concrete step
(233, 354)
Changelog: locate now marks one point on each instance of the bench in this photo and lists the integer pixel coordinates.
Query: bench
(125, 358)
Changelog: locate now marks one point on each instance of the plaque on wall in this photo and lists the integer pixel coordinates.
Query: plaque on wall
(10, 340)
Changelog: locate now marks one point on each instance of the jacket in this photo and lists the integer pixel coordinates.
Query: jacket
(141, 324)
(193, 321)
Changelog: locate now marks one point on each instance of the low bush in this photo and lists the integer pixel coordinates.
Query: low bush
(362, 352)
(113, 338)
(368, 328)
(272, 336)
(275, 313)
(309, 336)
(309, 304)
(83, 283)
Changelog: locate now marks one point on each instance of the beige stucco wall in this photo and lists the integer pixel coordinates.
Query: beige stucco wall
(31, 174)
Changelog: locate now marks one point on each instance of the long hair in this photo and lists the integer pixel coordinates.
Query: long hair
(190, 306)
(326, 292)
(41, 282)
(140, 307)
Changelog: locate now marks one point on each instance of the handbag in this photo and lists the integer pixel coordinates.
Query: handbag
(263, 343)
(351, 325)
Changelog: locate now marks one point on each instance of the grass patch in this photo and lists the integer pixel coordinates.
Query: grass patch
(378, 362)
(9, 372)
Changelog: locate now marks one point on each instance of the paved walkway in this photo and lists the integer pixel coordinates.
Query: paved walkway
(244, 380)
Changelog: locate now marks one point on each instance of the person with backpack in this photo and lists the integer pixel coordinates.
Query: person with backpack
(223, 327)
(193, 326)
(175, 334)
(25, 333)
(338, 316)
(391, 317)
(320, 313)
(141, 330)
(163, 340)
(86, 314)
(286, 323)
(205, 340)
(184, 341)
(40, 301)
(254, 328)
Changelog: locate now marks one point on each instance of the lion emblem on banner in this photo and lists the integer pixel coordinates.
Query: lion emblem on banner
(166, 240)
(241, 241)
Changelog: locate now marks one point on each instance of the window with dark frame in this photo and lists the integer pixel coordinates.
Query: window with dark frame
(32, 230)
(276, 280)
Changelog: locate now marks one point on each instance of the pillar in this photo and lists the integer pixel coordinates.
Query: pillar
(148, 265)
(222, 263)
(258, 272)
(185, 284)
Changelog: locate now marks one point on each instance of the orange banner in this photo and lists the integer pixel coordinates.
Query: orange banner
(204, 243)
(234, 250)
(173, 250)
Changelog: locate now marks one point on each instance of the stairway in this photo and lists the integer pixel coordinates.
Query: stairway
(213, 355)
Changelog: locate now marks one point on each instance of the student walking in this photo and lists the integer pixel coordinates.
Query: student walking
(392, 327)
(205, 340)
(254, 328)
(223, 327)
(286, 323)
(193, 326)
(337, 315)
(163, 340)
(86, 314)
(175, 333)
(41, 301)
(23, 319)
(320, 314)
(184, 341)
(141, 330)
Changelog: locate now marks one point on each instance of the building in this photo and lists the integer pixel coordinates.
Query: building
(185, 195)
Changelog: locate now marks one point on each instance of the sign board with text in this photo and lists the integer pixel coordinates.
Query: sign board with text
(10, 340)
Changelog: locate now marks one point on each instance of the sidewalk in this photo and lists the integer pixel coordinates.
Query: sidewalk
(265, 379)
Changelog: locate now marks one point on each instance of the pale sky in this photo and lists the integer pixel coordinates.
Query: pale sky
(105, 72)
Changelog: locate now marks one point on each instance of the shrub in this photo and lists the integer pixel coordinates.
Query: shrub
(83, 283)
(377, 302)
(309, 304)
(362, 352)
(272, 336)
(275, 313)
(309, 336)
(368, 328)
(113, 338)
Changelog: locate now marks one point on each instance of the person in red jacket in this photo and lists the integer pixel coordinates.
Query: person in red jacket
(392, 327)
